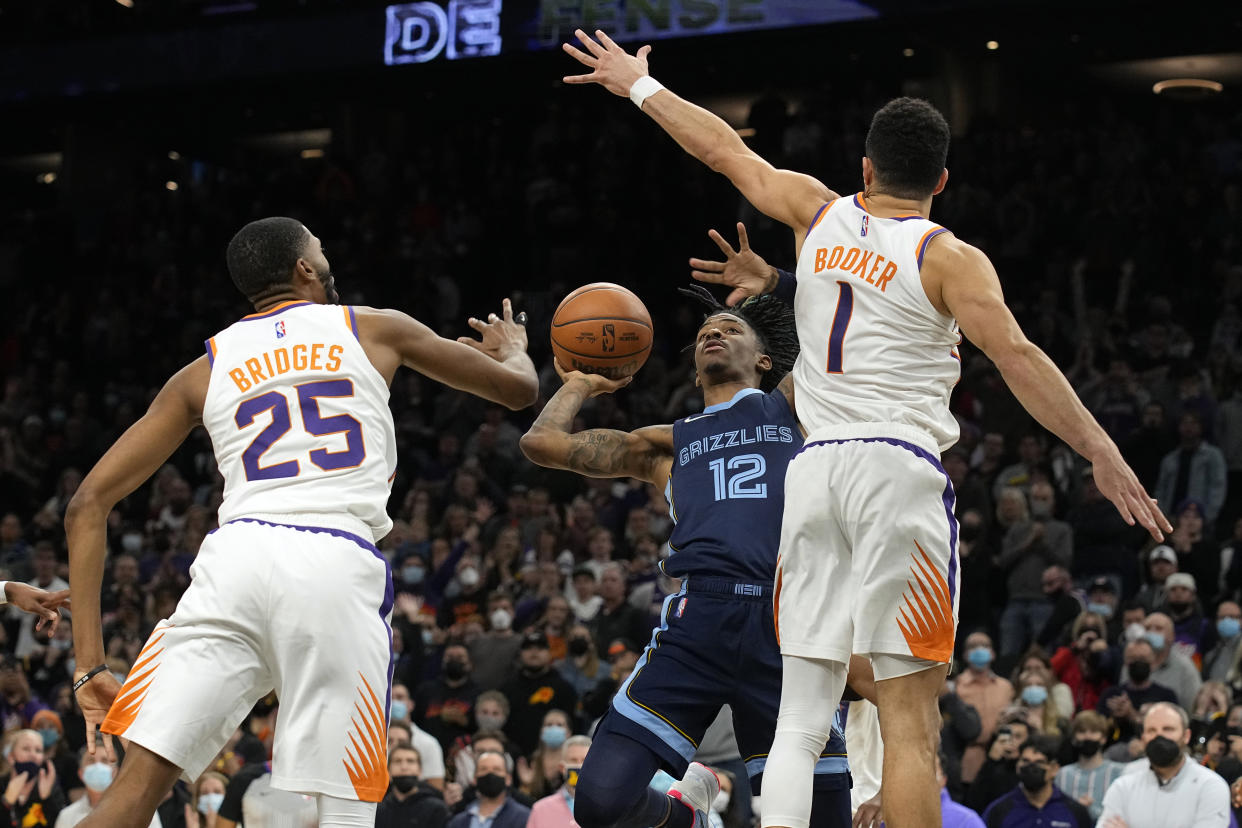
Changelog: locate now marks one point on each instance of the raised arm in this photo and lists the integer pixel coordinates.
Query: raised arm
(138, 454)
(960, 281)
(789, 197)
(646, 454)
(495, 368)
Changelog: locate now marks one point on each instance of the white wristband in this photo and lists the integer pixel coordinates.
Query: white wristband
(644, 88)
(4, 599)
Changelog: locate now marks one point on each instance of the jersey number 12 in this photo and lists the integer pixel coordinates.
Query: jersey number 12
(748, 467)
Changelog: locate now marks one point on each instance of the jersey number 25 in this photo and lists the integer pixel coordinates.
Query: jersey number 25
(308, 403)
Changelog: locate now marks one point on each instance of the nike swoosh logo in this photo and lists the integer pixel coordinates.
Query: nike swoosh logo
(699, 417)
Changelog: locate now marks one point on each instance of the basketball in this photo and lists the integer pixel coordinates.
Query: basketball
(602, 328)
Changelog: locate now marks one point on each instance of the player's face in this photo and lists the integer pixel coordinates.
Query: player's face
(726, 350)
(318, 262)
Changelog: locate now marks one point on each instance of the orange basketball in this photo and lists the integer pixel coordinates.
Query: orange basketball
(602, 328)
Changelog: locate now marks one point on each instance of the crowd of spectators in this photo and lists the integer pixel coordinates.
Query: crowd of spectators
(524, 596)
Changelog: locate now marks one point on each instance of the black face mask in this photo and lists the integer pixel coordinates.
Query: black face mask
(455, 669)
(1179, 606)
(490, 785)
(1163, 752)
(1033, 777)
(579, 646)
(1140, 671)
(404, 784)
(1088, 747)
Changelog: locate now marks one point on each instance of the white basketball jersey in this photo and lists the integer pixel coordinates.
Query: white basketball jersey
(299, 418)
(874, 349)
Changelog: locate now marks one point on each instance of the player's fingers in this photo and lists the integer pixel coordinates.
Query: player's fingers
(1120, 502)
(706, 276)
(576, 79)
(473, 343)
(492, 319)
(607, 41)
(743, 241)
(477, 324)
(708, 265)
(506, 310)
(642, 52)
(579, 55)
(53, 622)
(737, 297)
(591, 46)
(724, 246)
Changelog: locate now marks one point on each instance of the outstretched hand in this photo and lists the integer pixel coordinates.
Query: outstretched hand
(46, 605)
(501, 335)
(612, 67)
(599, 383)
(1117, 482)
(743, 269)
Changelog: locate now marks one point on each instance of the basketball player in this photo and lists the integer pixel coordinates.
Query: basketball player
(868, 545)
(290, 592)
(722, 473)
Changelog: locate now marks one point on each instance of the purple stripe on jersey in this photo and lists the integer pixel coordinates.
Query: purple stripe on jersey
(927, 240)
(815, 218)
(353, 322)
(273, 312)
(385, 605)
(949, 497)
(211, 355)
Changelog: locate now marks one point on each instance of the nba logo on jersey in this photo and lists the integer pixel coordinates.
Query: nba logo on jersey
(280, 329)
(681, 607)
(866, 223)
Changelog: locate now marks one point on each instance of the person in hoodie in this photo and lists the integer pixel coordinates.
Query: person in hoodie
(410, 802)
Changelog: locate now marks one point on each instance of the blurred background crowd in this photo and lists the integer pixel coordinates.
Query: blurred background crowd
(525, 596)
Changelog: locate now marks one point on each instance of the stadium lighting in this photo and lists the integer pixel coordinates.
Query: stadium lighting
(314, 152)
(173, 155)
(46, 178)
(992, 45)
(1187, 87)
(908, 52)
(171, 186)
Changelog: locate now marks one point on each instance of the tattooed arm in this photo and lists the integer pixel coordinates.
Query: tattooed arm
(598, 452)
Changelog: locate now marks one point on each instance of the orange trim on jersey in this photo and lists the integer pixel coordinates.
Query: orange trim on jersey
(823, 211)
(276, 308)
(923, 242)
(928, 625)
(393, 475)
(366, 764)
(776, 602)
(211, 349)
(861, 203)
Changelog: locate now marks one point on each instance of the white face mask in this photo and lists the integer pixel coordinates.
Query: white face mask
(501, 619)
(721, 803)
(468, 577)
(1135, 631)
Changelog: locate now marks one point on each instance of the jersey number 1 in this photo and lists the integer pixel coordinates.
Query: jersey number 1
(276, 402)
(840, 322)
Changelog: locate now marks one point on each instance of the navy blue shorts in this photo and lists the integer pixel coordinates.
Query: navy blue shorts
(716, 645)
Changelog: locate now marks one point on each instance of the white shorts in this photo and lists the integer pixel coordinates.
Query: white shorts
(868, 558)
(302, 611)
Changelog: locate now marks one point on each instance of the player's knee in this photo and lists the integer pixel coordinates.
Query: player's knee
(602, 803)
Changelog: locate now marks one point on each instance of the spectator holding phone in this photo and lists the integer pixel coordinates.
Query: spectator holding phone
(999, 773)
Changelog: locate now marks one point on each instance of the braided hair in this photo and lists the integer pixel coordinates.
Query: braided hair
(771, 320)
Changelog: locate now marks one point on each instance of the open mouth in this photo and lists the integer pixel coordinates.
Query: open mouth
(714, 345)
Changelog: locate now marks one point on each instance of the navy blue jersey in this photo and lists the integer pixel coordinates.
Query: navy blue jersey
(727, 488)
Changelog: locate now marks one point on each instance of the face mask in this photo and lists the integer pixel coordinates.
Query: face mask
(50, 736)
(490, 722)
(1156, 640)
(1088, 747)
(404, 784)
(468, 577)
(60, 644)
(1140, 671)
(455, 670)
(979, 657)
(490, 785)
(131, 542)
(1228, 627)
(579, 646)
(501, 619)
(553, 736)
(571, 776)
(1034, 695)
(210, 803)
(429, 637)
(721, 803)
(1103, 610)
(98, 776)
(1135, 631)
(413, 573)
(31, 769)
(1163, 752)
(1179, 607)
(399, 710)
(1041, 508)
(1033, 777)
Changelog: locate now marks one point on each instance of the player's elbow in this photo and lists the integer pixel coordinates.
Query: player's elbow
(536, 444)
(521, 393)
